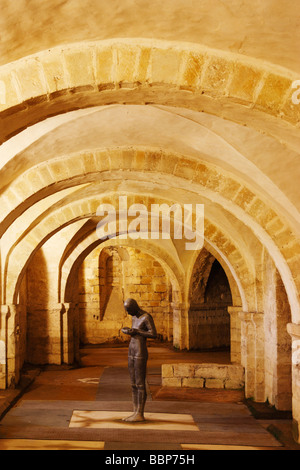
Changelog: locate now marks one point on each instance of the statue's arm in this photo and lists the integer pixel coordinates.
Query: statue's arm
(150, 332)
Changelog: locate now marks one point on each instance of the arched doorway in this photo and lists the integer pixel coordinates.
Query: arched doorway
(210, 297)
(106, 278)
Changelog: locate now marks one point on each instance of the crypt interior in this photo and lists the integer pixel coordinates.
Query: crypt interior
(174, 102)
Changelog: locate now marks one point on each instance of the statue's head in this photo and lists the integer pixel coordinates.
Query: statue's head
(131, 306)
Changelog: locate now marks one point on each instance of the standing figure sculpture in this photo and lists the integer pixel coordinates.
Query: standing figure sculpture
(142, 328)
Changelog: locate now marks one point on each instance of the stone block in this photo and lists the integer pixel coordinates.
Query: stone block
(167, 371)
(273, 93)
(194, 62)
(244, 198)
(245, 81)
(143, 65)
(168, 163)
(211, 371)
(184, 370)
(165, 65)
(193, 382)
(152, 161)
(30, 78)
(127, 57)
(260, 212)
(290, 110)
(186, 169)
(104, 161)
(171, 382)
(230, 188)
(234, 384)
(217, 74)
(79, 64)
(161, 288)
(201, 174)
(8, 90)
(104, 65)
(54, 71)
(214, 383)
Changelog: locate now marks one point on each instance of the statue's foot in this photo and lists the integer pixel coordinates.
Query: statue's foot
(135, 418)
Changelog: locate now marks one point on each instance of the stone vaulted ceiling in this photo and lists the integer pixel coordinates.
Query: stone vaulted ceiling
(181, 100)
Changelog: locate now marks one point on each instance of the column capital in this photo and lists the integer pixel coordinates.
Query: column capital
(245, 316)
(251, 316)
(293, 330)
(234, 310)
(180, 305)
(4, 309)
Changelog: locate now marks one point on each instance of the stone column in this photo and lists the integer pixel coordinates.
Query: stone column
(55, 334)
(294, 332)
(252, 354)
(259, 337)
(76, 333)
(70, 333)
(9, 347)
(180, 325)
(67, 328)
(3, 346)
(170, 323)
(235, 334)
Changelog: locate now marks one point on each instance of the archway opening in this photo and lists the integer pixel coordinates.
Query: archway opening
(106, 278)
(210, 297)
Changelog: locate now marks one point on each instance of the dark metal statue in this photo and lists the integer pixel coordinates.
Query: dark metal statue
(142, 328)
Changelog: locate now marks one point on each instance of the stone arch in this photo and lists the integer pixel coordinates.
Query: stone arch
(106, 258)
(130, 71)
(210, 297)
(88, 208)
(71, 265)
(200, 275)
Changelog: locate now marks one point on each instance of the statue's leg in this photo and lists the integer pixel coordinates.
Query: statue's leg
(131, 368)
(141, 385)
(140, 367)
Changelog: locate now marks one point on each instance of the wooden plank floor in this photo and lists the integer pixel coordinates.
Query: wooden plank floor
(218, 424)
(43, 416)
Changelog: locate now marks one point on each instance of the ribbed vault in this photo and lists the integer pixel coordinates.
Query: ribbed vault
(160, 121)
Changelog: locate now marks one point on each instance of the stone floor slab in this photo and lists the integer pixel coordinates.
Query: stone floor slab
(40, 444)
(224, 447)
(113, 420)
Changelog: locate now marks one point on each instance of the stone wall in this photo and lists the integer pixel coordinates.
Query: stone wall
(209, 327)
(107, 278)
(43, 312)
(277, 364)
(230, 377)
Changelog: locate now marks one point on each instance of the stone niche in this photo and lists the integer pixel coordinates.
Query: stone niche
(107, 278)
(210, 297)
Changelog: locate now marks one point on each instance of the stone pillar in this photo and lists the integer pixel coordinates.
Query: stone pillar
(9, 347)
(55, 334)
(76, 333)
(294, 331)
(70, 333)
(3, 346)
(259, 338)
(67, 327)
(170, 324)
(180, 325)
(235, 334)
(252, 354)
